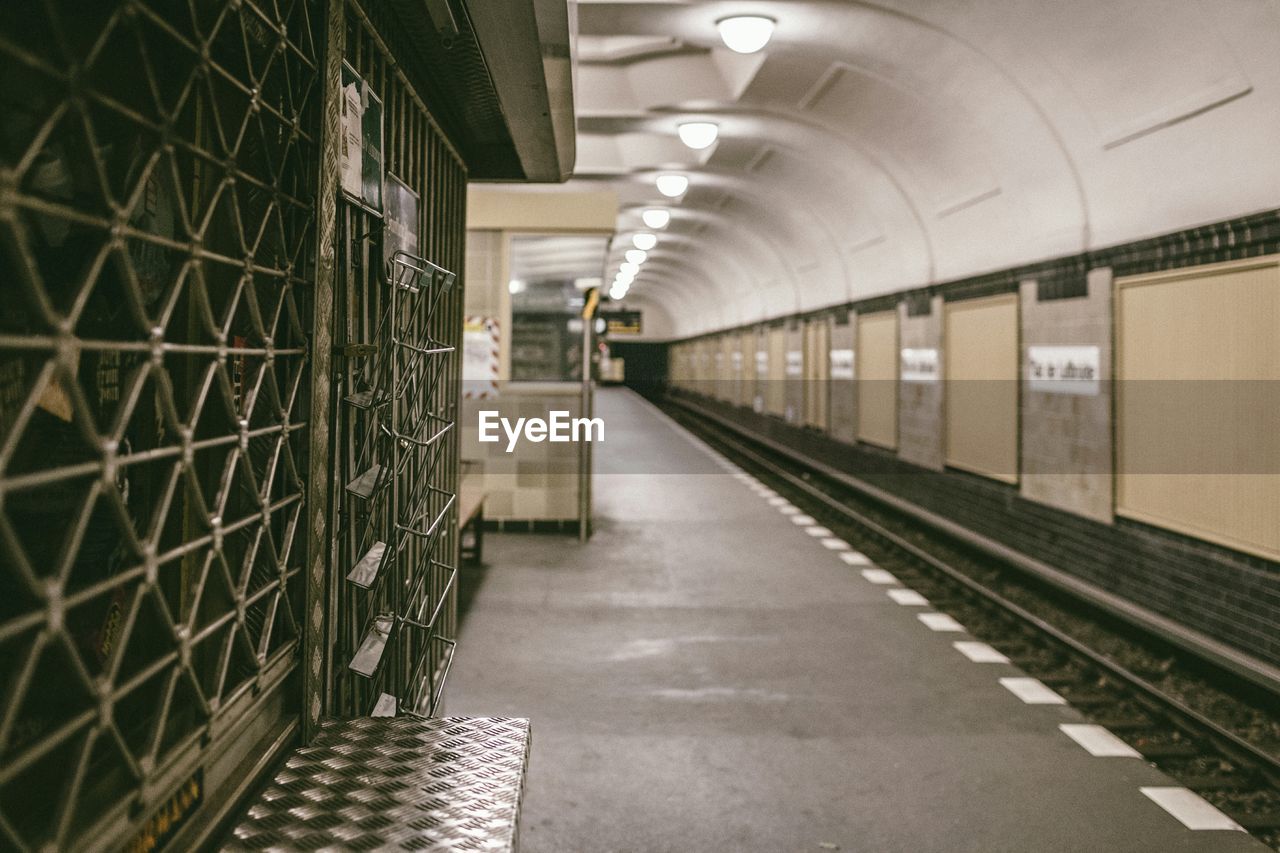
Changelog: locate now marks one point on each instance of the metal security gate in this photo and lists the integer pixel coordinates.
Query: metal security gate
(398, 316)
(158, 173)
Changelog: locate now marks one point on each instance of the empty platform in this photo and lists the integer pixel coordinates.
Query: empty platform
(706, 675)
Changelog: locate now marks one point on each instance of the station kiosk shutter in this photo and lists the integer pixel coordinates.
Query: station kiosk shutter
(1198, 401)
(981, 338)
(877, 371)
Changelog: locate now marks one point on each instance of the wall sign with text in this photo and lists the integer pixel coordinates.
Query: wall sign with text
(622, 322)
(795, 362)
(842, 364)
(919, 365)
(1064, 370)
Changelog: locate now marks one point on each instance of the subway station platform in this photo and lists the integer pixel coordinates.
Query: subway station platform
(704, 675)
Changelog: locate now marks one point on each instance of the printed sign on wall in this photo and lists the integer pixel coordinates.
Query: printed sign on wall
(622, 322)
(842, 364)
(919, 365)
(480, 357)
(795, 362)
(1064, 370)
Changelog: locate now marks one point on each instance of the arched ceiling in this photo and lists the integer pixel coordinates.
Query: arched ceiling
(876, 147)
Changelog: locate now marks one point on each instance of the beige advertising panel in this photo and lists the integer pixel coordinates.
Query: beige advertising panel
(728, 377)
(981, 363)
(775, 387)
(817, 369)
(746, 367)
(877, 371)
(1198, 402)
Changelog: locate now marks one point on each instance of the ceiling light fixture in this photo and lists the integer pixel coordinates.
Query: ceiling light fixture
(656, 217)
(672, 185)
(644, 241)
(697, 134)
(630, 268)
(745, 33)
(635, 256)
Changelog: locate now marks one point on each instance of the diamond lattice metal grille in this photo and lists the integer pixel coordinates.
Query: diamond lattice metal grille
(157, 183)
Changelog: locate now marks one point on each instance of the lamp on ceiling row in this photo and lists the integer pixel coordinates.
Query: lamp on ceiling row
(741, 34)
(745, 33)
(698, 134)
(671, 184)
(656, 217)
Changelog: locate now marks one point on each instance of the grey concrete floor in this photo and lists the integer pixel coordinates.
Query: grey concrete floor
(704, 676)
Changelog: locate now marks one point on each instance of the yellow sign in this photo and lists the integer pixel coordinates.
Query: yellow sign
(162, 826)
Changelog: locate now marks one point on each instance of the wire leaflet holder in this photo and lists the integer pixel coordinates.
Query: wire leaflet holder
(401, 583)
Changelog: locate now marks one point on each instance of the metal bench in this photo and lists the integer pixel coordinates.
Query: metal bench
(402, 783)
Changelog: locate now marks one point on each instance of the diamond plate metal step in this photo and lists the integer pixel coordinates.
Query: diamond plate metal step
(402, 783)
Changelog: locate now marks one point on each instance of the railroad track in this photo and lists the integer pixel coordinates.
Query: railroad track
(1180, 713)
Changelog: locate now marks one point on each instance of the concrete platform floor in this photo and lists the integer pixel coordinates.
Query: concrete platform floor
(705, 676)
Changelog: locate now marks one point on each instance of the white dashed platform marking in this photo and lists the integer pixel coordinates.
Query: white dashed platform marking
(856, 558)
(979, 652)
(940, 622)
(1192, 810)
(778, 500)
(804, 520)
(908, 598)
(788, 509)
(1032, 691)
(817, 532)
(876, 575)
(1098, 741)
(834, 544)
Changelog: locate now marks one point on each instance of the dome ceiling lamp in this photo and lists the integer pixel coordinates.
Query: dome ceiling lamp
(656, 218)
(698, 134)
(672, 185)
(745, 33)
